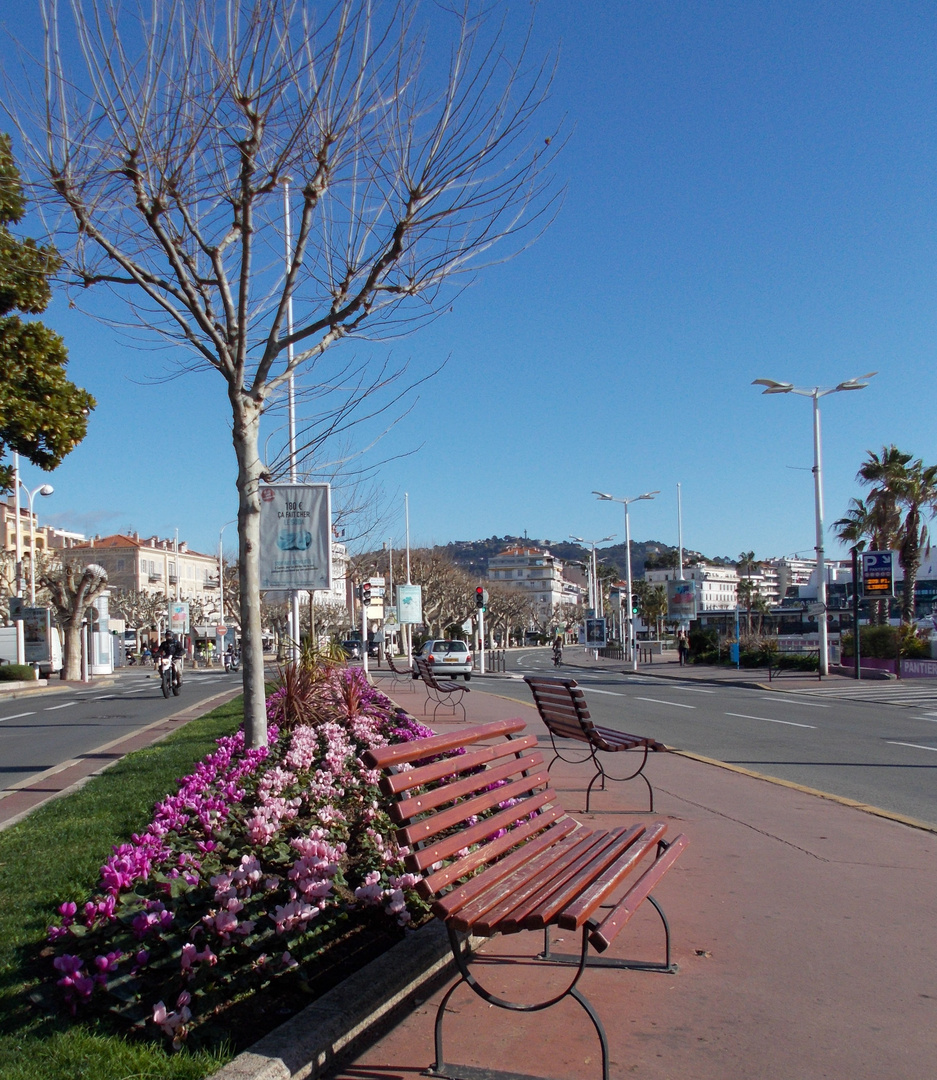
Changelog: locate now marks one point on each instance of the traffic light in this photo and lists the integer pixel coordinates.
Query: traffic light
(634, 607)
(365, 593)
(481, 598)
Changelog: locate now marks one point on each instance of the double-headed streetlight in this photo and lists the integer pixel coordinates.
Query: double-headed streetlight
(631, 652)
(817, 392)
(594, 597)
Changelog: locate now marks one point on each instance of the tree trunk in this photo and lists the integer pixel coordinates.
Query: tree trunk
(245, 436)
(71, 658)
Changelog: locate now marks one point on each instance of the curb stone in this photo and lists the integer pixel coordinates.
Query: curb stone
(311, 1042)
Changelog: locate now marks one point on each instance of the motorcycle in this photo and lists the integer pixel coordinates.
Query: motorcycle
(170, 675)
(557, 657)
(231, 662)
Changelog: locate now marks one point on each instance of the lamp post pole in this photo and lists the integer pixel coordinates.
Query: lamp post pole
(43, 489)
(631, 652)
(594, 595)
(816, 392)
(233, 521)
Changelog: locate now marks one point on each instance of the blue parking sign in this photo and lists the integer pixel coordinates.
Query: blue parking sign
(878, 574)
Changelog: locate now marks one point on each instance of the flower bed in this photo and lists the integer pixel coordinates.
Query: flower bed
(259, 862)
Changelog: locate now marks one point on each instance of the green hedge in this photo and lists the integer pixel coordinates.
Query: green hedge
(17, 673)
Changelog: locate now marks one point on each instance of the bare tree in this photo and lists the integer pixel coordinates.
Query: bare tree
(166, 144)
(73, 589)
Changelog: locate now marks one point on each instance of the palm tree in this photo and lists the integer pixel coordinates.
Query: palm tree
(895, 513)
(875, 523)
(916, 491)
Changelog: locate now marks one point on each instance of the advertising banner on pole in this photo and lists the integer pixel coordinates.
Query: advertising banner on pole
(681, 601)
(409, 603)
(37, 634)
(295, 536)
(595, 634)
(179, 617)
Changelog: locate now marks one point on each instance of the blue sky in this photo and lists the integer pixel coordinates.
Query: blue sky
(750, 192)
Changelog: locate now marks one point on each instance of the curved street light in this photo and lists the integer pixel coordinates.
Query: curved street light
(632, 652)
(593, 569)
(46, 490)
(817, 392)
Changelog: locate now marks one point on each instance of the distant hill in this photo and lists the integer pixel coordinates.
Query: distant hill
(473, 555)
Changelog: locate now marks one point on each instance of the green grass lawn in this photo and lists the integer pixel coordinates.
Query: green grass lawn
(55, 855)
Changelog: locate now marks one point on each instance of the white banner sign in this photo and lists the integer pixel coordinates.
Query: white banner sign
(410, 603)
(296, 536)
(681, 600)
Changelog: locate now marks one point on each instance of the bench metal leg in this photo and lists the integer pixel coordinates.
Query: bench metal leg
(667, 967)
(467, 1072)
(601, 772)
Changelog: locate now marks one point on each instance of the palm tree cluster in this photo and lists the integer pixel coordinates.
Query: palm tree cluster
(894, 515)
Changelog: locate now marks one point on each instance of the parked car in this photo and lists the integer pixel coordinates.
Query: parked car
(447, 658)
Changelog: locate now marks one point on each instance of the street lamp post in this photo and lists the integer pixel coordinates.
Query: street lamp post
(632, 652)
(221, 568)
(817, 392)
(44, 489)
(594, 598)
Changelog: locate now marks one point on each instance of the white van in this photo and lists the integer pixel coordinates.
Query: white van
(48, 664)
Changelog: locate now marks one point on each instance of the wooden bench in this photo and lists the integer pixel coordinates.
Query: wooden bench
(562, 707)
(498, 854)
(440, 691)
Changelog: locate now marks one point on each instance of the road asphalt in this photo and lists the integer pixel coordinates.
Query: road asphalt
(802, 927)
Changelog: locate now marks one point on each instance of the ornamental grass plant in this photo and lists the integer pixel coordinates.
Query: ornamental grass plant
(248, 873)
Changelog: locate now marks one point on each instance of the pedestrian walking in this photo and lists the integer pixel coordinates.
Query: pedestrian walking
(683, 648)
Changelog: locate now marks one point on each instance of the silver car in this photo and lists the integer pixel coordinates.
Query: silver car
(447, 658)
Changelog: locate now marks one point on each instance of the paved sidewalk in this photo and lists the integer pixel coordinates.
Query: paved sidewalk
(803, 929)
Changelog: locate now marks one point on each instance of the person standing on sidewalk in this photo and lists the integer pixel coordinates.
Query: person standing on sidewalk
(683, 647)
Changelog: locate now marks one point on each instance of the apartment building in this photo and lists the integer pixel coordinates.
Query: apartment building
(716, 588)
(151, 565)
(537, 572)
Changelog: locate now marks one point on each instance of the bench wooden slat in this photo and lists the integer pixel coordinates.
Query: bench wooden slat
(448, 846)
(547, 886)
(553, 826)
(380, 757)
(492, 907)
(576, 912)
(436, 797)
(592, 872)
(422, 831)
(396, 783)
(605, 934)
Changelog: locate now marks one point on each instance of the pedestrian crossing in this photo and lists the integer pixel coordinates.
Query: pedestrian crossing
(880, 693)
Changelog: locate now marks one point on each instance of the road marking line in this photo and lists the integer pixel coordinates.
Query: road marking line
(694, 690)
(16, 716)
(52, 708)
(610, 693)
(796, 701)
(657, 701)
(913, 745)
(769, 720)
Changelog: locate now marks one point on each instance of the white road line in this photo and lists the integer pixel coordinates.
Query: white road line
(913, 745)
(104, 697)
(769, 720)
(16, 716)
(657, 701)
(610, 693)
(794, 701)
(52, 708)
